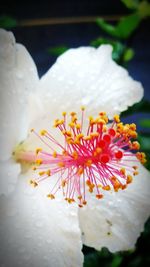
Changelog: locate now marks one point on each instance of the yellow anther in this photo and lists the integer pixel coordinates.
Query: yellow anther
(99, 196)
(95, 154)
(88, 163)
(79, 197)
(135, 167)
(79, 136)
(132, 134)
(123, 171)
(48, 172)
(69, 140)
(55, 154)
(141, 157)
(106, 187)
(126, 128)
(33, 183)
(100, 121)
(63, 183)
(98, 150)
(91, 189)
(56, 123)
(68, 133)
(71, 124)
(88, 182)
(75, 155)
(65, 153)
(132, 126)
(70, 200)
(74, 119)
(135, 145)
(129, 179)
(41, 173)
(78, 126)
(84, 202)
(34, 168)
(94, 134)
(43, 132)
(61, 164)
(32, 130)
(73, 113)
(38, 150)
(105, 128)
(105, 118)
(88, 137)
(117, 118)
(102, 113)
(120, 127)
(64, 113)
(135, 173)
(39, 161)
(123, 186)
(51, 196)
(80, 171)
(82, 108)
(91, 120)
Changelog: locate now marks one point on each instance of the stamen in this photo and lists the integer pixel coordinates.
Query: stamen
(95, 160)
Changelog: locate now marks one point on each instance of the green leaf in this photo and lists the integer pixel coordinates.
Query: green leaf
(128, 54)
(143, 107)
(131, 4)
(116, 261)
(144, 9)
(145, 123)
(57, 50)
(127, 25)
(110, 29)
(7, 22)
(144, 142)
(124, 28)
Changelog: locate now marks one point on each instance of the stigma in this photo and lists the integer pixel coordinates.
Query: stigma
(102, 157)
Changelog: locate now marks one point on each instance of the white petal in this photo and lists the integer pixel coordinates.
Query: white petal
(117, 220)
(38, 232)
(18, 76)
(88, 76)
(9, 171)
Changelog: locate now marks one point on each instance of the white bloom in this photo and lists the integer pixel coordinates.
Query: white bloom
(33, 230)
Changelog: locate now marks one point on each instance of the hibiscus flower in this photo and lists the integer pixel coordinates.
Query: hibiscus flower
(35, 231)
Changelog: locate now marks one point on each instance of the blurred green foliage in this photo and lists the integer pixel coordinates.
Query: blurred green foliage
(118, 34)
(7, 22)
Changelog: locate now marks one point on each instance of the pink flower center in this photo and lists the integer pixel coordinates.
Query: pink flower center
(99, 159)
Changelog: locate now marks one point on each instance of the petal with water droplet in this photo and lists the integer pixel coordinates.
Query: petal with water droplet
(88, 76)
(18, 76)
(43, 232)
(117, 220)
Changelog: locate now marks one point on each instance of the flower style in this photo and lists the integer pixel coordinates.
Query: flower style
(35, 231)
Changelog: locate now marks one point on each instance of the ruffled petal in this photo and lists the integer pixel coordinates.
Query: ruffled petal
(36, 231)
(117, 220)
(9, 171)
(88, 76)
(18, 76)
